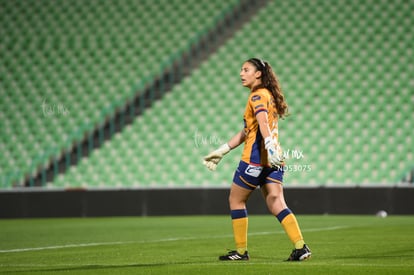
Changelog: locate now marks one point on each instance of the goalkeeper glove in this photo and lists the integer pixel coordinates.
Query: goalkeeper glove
(274, 156)
(212, 159)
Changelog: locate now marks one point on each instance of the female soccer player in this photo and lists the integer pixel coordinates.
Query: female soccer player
(262, 160)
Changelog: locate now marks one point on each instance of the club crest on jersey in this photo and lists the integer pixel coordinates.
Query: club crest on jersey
(256, 98)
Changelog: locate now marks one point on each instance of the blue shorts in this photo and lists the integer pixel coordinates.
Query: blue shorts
(251, 176)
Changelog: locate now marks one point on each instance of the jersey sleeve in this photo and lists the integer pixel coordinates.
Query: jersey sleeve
(259, 102)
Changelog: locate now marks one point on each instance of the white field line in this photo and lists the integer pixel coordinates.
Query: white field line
(59, 247)
(158, 241)
(214, 263)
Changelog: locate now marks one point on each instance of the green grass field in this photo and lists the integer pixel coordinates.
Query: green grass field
(192, 244)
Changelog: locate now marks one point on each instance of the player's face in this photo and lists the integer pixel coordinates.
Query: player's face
(249, 75)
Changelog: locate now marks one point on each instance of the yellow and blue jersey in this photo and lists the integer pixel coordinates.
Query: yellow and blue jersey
(254, 151)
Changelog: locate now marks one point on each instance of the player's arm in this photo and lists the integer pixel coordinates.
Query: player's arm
(237, 139)
(263, 122)
(273, 156)
(212, 159)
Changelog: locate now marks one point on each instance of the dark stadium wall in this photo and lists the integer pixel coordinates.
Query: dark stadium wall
(157, 202)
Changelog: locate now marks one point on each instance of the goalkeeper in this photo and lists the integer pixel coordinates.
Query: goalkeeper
(262, 162)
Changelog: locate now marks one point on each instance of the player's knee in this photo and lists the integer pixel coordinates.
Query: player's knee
(236, 202)
(230, 200)
(272, 198)
(275, 203)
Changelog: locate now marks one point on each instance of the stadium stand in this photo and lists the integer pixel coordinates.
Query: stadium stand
(345, 68)
(67, 66)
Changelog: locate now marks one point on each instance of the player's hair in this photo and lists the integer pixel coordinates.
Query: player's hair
(270, 82)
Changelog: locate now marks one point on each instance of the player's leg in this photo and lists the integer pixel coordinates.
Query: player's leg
(243, 185)
(240, 222)
(273, 194)
(237, 200)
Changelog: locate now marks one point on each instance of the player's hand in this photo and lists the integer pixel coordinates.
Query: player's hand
(274, 155)
(212, 159)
